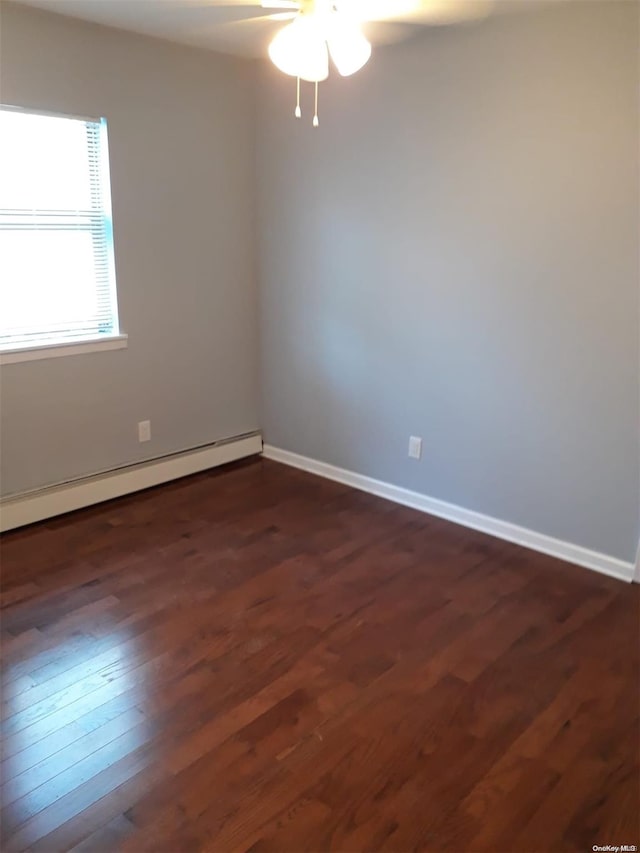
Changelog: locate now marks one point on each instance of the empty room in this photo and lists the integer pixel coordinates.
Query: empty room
(320, 426)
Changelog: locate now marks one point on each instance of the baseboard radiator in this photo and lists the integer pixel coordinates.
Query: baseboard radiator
(37, 505)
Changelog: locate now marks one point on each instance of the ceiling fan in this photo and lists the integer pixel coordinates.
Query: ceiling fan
(343, 30)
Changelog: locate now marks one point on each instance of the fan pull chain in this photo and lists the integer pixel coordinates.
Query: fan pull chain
(298, 112)
(316, 121)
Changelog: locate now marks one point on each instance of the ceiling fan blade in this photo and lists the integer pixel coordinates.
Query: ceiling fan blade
(422, 12)
(263, 19)
(280, 4)
(223, 5)
(388, 32)
(260, 6)
(260, 28)
(239, 11)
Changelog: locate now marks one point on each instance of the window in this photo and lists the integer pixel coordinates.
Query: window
(57, 282)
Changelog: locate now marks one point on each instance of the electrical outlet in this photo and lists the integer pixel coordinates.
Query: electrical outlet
(144, 431)
(415, 447)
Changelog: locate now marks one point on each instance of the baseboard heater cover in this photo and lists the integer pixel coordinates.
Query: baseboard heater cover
(19, 510)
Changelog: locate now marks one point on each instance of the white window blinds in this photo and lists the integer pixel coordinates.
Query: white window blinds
(57, 282)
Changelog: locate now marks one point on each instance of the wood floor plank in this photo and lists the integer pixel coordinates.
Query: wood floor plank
(254, 658)
(19, 784)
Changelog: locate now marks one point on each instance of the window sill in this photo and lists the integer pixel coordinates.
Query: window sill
(12, 356)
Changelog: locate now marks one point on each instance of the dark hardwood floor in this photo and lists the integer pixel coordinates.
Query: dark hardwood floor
(258, 659)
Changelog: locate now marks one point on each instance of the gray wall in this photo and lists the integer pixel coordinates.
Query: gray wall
(454, 255)
(181, 143)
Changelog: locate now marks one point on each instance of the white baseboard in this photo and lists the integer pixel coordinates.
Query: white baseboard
(467, 518)
(56, 500)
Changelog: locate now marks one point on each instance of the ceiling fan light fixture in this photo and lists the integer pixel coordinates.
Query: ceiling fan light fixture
(348, 47)
(300, 50)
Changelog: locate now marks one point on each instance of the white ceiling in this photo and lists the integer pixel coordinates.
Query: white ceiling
(242, 27)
